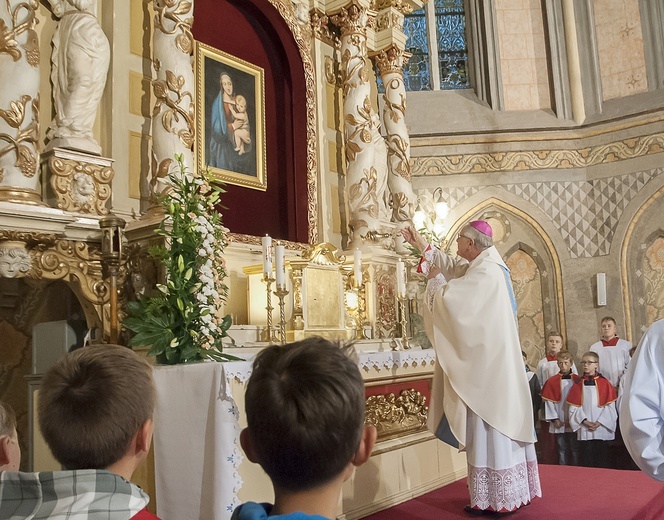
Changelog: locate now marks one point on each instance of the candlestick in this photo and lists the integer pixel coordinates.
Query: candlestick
(401, 279)
(357, 267)
(267, 256)
(268, 330)
(404, 335)
(280, 260)
(281, 293)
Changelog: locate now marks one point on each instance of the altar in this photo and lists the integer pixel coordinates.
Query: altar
(201, 472)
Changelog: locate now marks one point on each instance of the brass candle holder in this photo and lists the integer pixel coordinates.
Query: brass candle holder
(404, 336)
(281, 293)
(360, 309)
(267, 333)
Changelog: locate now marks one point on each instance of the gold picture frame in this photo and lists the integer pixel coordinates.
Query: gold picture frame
(230, 118)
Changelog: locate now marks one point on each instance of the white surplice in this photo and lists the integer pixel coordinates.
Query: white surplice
(613, 361)
(480, 385)
(605, 415)
(642, 403)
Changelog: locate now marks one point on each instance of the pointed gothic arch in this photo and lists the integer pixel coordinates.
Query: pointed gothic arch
(548, 259)
(642, 231)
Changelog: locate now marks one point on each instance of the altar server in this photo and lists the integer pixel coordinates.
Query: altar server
(592, 413)
(480, 398)
(613, 352)
(642, 405)
(556, 410)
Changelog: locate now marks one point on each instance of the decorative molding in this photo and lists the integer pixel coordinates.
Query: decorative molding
(386, 302)
(392, 415)
(322, 29)
(256, 241)
(323, 254)
(76, 263)
(25, 140)
(541, 159)
(79, 185)
(285, 9)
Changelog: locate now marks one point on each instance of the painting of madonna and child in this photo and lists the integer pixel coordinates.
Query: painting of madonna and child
(230, 118)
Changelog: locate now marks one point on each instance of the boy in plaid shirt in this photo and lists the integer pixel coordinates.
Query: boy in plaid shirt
(95, 413)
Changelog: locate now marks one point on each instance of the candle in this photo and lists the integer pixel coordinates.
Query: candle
(401, 279)
(280, 259)
(267, 256)
(357, 266)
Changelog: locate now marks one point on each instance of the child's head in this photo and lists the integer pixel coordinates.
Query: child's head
(554, 343)
(564, 362)
(590, 363)
(10, 452)
(93, 402)
(608, 327)
(305, 413)
(240, 103)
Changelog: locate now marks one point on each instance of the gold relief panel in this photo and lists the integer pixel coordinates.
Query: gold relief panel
(386, 309)
(394, 415)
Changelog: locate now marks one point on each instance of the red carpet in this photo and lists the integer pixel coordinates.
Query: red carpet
(567, 493)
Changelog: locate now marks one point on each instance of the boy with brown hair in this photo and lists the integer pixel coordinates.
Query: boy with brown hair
(305, 427)
(10, 451)
(613, 352)
(554, 394)
(95, 413)
(546, 368)
(592, 413)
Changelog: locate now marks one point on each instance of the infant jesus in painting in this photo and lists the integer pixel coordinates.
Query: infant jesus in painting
(242, 133)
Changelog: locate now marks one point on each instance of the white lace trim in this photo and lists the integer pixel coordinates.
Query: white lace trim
(433, 286)
(396, 359)
(503, 489)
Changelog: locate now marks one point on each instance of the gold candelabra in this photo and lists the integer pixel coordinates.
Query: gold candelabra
(360, 309)
(267, 333)
(281, 293)
(404, 335)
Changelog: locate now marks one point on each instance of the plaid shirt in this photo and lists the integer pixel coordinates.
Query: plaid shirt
(80, 494)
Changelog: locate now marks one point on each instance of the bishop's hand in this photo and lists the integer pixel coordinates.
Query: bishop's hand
(413, 237)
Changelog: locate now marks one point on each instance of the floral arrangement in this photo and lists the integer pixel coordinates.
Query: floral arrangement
(181, 322)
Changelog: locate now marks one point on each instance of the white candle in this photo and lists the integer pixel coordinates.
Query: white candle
(401, 279)
(280, 259)
(357, 266)
(267, 256)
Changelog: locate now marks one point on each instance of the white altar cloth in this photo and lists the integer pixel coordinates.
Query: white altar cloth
(197, 432)
(196, 440)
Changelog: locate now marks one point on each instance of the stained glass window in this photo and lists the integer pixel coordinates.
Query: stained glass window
(416, 73)
(448, 23)
(451, 44)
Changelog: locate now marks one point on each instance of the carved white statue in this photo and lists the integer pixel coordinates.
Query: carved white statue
(80, 59)
(14, 260)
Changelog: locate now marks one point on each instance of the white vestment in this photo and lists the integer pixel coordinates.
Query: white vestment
(605, 415)
(480, 385)
(559, 410)
(612, 360)
(642, 403)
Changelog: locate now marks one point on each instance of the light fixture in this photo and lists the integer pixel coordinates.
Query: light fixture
(111, 254)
